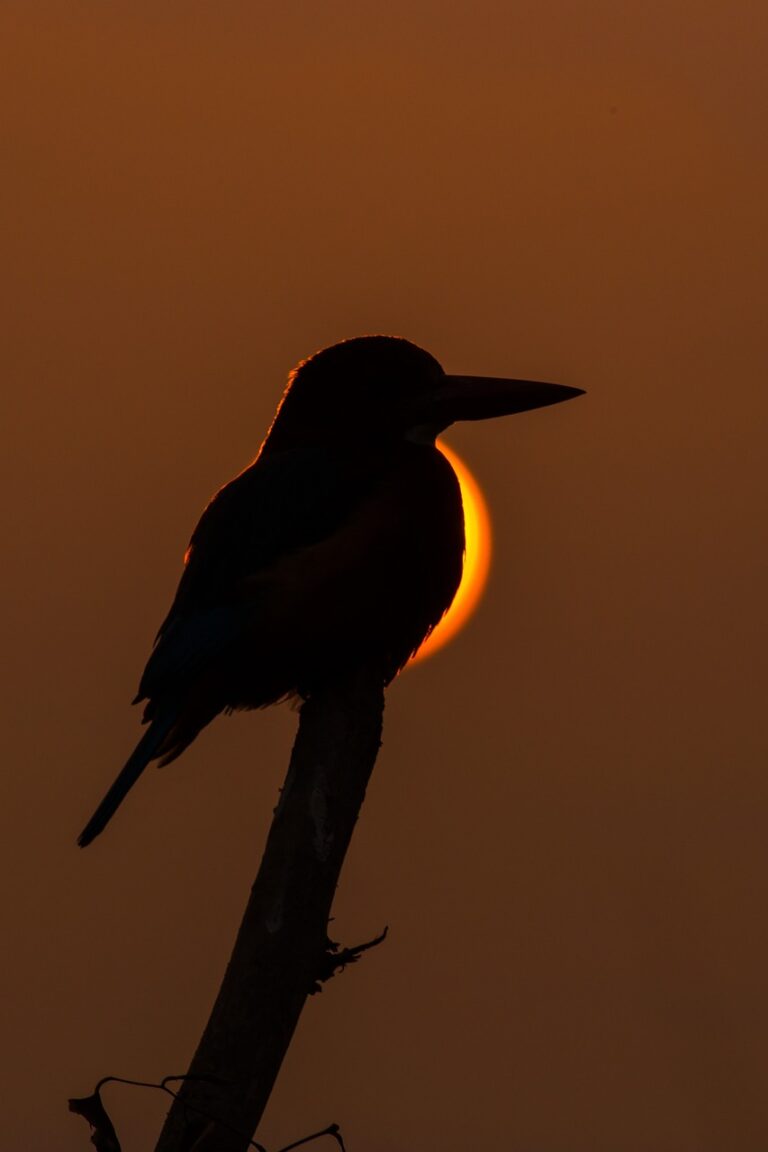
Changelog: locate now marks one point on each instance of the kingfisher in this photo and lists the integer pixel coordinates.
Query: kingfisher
(341, 546)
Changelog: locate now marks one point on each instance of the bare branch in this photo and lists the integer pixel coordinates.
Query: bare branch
(282, 950)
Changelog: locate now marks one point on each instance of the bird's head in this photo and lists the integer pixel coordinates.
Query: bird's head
(384, 388)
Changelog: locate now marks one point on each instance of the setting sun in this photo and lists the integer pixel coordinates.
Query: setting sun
(477, 558)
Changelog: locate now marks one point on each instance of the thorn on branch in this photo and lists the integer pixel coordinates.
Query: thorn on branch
(334, 960)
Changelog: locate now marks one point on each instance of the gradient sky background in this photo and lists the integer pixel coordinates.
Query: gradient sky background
(566, 831)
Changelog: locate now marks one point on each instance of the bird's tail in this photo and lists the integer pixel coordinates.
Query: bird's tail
(147, 749)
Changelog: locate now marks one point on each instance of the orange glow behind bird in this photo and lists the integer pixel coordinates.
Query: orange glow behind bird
(477, 558)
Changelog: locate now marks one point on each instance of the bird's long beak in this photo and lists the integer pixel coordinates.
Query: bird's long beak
(480, 397)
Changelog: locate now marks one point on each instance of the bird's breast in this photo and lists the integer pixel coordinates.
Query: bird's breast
(371, 591)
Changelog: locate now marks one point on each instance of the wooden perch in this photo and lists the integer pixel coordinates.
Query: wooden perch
(282, 949)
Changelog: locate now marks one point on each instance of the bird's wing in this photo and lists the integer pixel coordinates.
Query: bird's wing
(283, 504)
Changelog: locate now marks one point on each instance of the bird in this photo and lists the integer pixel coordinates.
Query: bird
(339, 547)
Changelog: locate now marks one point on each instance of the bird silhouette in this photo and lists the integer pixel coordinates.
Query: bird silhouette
(341, 546)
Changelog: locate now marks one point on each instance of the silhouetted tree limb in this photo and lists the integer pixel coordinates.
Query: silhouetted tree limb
(282, 951)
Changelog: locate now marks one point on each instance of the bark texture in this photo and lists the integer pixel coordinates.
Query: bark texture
(282, 947)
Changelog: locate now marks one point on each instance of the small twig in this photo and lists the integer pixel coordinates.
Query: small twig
(335, 960)
(331, 1130)
(104, 1135)
(105, 1138)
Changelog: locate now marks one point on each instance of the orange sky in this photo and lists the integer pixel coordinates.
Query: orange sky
(566, 831)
